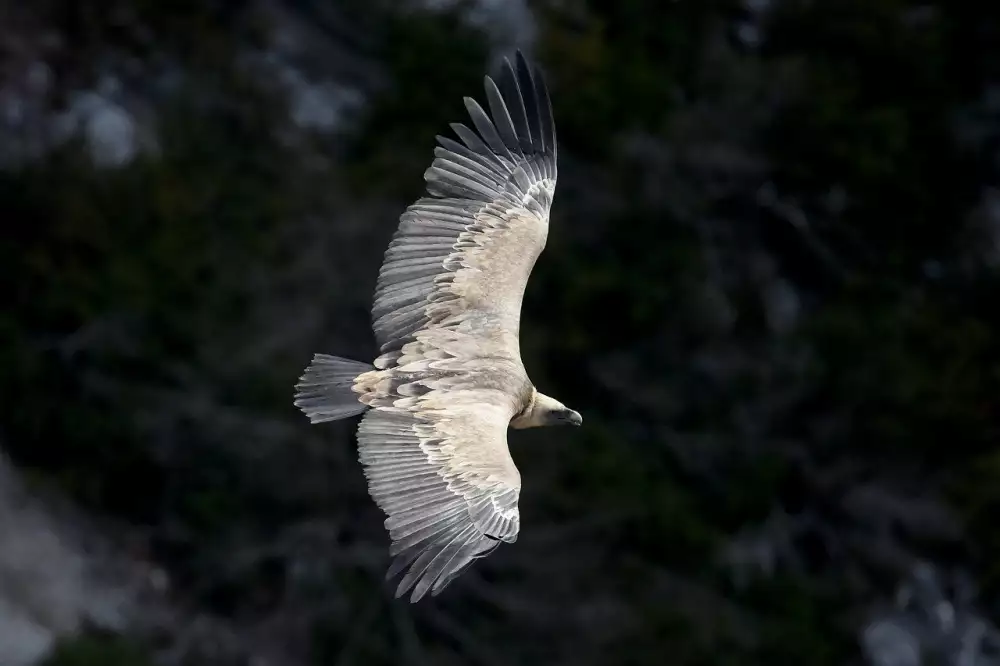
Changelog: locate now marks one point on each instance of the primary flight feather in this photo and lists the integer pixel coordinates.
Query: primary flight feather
(449, 381)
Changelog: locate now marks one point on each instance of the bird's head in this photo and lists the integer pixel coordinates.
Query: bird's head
(545, 411)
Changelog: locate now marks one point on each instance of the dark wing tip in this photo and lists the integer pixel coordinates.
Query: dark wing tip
(521, 59)
(545, 113)
(534, 89)
(520, 118)
(433, 565)
(512, 139)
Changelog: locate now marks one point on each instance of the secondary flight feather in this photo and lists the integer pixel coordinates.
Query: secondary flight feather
(449, 381)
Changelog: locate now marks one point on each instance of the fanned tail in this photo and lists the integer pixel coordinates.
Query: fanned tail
(324, 392)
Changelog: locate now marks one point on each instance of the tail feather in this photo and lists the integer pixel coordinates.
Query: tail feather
(324, 392)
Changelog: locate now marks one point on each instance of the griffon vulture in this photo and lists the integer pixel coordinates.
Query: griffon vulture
(449, 380)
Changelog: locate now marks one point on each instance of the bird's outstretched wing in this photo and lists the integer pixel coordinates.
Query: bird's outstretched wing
(439, 467)
(461, 256)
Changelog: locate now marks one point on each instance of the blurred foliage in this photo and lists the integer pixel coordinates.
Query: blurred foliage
(896, 348)
(96, 650)
(914, 374)
(878, 121)
(442, 61)
(120, 274)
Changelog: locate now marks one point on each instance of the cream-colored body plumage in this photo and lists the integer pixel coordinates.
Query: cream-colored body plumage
(449, 380)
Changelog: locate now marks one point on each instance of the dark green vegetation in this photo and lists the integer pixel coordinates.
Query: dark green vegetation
(770, 287)
(97, 651)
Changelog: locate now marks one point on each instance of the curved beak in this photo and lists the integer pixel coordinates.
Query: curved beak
(574, 418)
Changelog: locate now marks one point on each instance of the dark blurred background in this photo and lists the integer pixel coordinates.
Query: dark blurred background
(771, 287)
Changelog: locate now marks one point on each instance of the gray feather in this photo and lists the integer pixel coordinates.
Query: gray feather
(516, 106)
(324, 392)
(487, 130)
(501, 118)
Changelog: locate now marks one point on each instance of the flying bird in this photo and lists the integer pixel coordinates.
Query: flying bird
(449, 380)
